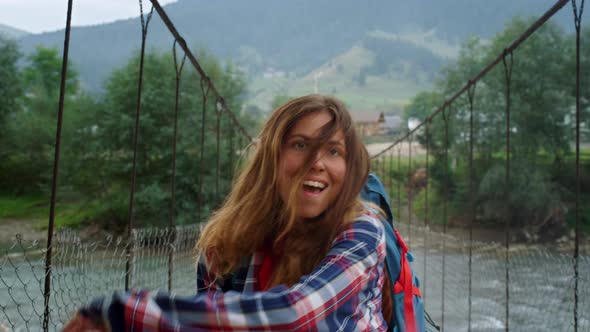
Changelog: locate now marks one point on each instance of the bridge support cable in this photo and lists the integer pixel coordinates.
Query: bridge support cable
(193, 60)
(410, 191)
(507, 62)
(129, 252)
(390, 177)
(426, 226)
(242, 148)
(51, 226)
(230, 156)
(207, 87)
(445, 116)
(471, 96)
(218, 111)
(383, 168)
(399, 183)
(172, 221)
(577, 24)
(204, 94)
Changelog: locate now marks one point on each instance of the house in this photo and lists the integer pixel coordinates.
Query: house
(368, 122)
(392, 125)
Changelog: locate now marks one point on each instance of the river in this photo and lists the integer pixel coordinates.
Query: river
(541, 288)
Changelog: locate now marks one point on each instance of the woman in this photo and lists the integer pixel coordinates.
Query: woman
(293, 247)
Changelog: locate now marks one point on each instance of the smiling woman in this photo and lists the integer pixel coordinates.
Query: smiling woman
(324, 179)
(292, 248)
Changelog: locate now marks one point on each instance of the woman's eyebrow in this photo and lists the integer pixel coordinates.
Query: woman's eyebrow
(335, 142)
(308, 138)
(299, 135)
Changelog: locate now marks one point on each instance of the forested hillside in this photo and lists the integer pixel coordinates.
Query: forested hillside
(295, 37)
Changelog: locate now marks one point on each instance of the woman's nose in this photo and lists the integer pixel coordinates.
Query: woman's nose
(319, 163)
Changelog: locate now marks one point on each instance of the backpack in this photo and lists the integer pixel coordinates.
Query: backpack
(408, 307)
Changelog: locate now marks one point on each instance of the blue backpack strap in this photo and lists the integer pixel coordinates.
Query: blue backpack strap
(393, 254)
(374, 192)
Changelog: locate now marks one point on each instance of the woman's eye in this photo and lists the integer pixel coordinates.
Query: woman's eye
(299, 145)
(334, 152)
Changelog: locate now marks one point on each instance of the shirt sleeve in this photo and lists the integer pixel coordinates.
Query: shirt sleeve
(341, 276)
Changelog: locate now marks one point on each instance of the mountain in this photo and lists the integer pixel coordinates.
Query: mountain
(11, 32)
(287, 42)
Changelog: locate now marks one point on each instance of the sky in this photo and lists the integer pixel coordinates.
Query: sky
(38, 16)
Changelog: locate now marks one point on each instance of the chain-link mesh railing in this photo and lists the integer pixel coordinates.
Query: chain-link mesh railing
(541, 284)
(86, 269)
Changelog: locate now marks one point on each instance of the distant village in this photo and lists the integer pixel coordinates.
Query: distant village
(375, 123)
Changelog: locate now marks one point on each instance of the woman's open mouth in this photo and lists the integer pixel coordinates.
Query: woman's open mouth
(313, 187)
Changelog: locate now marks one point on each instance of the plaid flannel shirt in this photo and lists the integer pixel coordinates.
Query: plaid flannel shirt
(343, 293)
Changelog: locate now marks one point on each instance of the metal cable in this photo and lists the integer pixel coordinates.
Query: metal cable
(471, 95)
(577, 24)
(51, 226)
(144, 27)
(204, 93)
(508, 76)
(445, 211)
(195, 63)
(218, 111)
(426, 209)
(399, 183)
(172, 221)
(410, 192)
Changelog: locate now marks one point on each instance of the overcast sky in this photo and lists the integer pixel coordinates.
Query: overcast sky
(49, 15)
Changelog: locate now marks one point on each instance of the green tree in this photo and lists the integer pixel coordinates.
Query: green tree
(540, 106)
(10, 92)
(10, 85)
(585, 83)
(29, 142)
(114, 138)
(43, 74)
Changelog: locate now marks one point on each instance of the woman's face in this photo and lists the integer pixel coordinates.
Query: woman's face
(323, 182)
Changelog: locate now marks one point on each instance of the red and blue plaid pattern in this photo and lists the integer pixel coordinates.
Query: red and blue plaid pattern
(343, 293)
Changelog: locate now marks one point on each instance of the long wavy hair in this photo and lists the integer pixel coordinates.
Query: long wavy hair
(254, 216)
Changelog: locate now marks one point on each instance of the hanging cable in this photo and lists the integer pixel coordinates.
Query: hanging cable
(577, 24)
(218, 111)
(144, 28)
(426, 226)
(410, 192)
(172, 221)
(471, 95)
(51, 226)
(508, 75)
(445, 118)
(204, 93)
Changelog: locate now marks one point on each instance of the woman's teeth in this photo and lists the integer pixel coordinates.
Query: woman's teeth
(315, 184)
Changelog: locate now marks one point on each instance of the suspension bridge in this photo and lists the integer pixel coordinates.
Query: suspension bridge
(468, 282)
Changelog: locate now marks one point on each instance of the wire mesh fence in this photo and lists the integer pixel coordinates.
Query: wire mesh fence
(541, 283)
(86, 269)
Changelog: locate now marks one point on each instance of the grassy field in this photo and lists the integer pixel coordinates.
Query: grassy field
(35, 209)
(338, 77)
